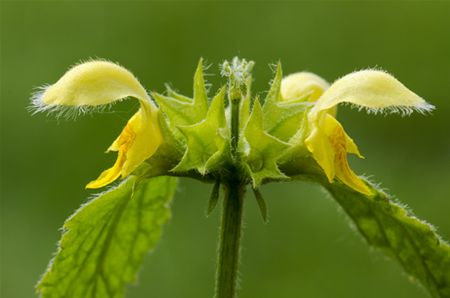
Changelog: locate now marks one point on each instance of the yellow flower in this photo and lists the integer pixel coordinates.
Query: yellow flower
(98, 83)
(326, 139)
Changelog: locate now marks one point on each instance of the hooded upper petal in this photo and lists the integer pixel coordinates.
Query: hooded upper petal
(98, 83)
(92, 83)
(372, 89)
(303, 84)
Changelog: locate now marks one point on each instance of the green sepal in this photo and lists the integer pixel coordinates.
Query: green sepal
(181, 110)
(391, 227)
(172, 93)
(245, 105)
(274, 93)
(213, 198)
(298, 152)
(166, 157)
(261, 204)
(105, 241)
(206, 141)
(260, 150)
(282, 118)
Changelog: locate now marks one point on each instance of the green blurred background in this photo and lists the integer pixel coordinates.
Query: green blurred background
(308, 248)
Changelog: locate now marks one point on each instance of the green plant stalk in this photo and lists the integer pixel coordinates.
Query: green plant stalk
(229, 241)
(234, 125)
(232, 211)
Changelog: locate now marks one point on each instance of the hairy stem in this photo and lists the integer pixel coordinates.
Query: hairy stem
(234, 126)
(229, 241)
(233, 203)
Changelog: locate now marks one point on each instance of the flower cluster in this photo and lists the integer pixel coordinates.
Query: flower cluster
(292, 131)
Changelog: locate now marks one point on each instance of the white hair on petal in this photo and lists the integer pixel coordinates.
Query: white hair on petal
(423, 108)
(37, 105)
(62, 111)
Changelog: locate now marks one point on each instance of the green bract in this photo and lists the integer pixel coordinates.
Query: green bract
(198, 133)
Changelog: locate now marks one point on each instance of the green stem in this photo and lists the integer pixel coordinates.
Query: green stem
(233, 204)
(229, 242)
(234, 125)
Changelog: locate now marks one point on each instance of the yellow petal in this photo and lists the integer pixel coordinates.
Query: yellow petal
(342, 145)
(109, 175)
(303, 84)
(348, 177)
(374, 90)
(329, 145)
(350, 144)
(138, 141)
(323, 152)
(146, 141)
(91, 84)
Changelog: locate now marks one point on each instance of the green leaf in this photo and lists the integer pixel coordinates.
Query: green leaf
(104, 242)
(260, 150)
(391, 227)
(207, 140)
